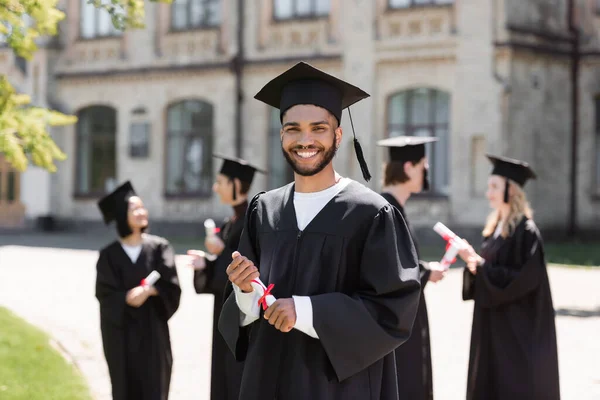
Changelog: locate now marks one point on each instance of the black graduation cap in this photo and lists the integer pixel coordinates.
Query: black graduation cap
(114, 207)
(305, 84)
(407, 148)
(237, 168)
(509, 168)
(110, 203)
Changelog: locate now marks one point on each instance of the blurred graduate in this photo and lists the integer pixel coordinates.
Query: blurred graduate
(134, 314)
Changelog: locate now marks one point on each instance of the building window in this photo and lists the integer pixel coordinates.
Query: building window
(96, 150)
(95, 22)
(195, 14)
(597, 148)
(416, 3)
(279, 173)
(189, 149)
(424, 112)
(300, 9)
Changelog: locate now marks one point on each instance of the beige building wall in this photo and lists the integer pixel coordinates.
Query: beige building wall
(505, 97)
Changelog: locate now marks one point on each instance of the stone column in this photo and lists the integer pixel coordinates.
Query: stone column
(358, 54)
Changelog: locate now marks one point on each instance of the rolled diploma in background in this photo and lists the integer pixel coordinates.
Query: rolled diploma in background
(151, 279)
(210, 227)
(456, 244)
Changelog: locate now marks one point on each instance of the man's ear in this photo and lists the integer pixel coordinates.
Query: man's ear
(339, 134)
(238, 185)
(408, 168)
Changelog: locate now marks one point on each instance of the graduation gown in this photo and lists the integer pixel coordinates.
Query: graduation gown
(226, 372)
(357, 262)
(413, 358)
(513, 339)
(136, 341)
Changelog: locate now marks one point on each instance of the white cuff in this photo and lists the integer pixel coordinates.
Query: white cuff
(248, 305)
(304, 316)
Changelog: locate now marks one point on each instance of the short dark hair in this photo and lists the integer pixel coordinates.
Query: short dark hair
(244, 187)
(394, 173)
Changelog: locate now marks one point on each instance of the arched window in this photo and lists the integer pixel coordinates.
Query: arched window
(189, 149)
(280, 173)
(424, 112)
(96, 150)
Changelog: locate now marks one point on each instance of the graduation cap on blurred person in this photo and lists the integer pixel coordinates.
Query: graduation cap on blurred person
(305, 84)
(237, 168)
(408, 148)
(115, 205)
(516, 170)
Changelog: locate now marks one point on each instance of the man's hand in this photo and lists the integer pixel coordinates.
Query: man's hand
(241, 272)
(138, 295)
(214, 245)
(437, 272)
(282, 314)
(473, 263)
(196, 259)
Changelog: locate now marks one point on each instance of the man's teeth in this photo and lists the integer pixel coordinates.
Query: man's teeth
(306, 154)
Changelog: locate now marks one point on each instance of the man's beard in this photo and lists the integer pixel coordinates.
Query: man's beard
(327, 157)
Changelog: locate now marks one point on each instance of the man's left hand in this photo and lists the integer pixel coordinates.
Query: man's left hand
(282, 314)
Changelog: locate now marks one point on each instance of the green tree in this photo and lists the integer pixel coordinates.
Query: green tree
(24, 135)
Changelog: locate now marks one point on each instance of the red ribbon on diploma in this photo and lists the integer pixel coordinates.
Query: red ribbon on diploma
(143, 282)
(448, 245)
(267, 291)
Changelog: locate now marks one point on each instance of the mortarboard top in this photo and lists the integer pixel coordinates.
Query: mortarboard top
(407, 148)
(237, 168)
(305, 84)
(515, 170)
(110, 204)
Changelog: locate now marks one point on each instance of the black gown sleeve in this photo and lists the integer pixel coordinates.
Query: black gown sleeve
(111, 294)
(169, 291)
(236, 336)
(501, 284)
(358, 329)
(424, 273)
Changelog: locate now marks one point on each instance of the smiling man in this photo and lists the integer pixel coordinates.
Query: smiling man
(340, 257)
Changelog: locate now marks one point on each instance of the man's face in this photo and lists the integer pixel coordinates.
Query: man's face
(416, 174)
(223, 187)
(309, 138)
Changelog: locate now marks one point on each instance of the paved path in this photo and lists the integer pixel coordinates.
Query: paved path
(53, 288)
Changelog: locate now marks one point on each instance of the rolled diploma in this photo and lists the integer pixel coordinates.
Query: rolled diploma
(151, 279)
(209, 227)
(260, 289)
(455, 242)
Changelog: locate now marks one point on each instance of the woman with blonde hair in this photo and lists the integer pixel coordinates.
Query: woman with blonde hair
(513, 338)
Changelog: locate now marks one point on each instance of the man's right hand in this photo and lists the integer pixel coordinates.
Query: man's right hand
(241, 272)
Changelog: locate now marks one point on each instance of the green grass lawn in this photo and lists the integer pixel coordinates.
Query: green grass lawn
(30, 369)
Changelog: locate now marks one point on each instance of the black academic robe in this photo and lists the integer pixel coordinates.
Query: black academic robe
(226, 372)
(136, 341)
(357, 262)
(513, 339)
(413, 358)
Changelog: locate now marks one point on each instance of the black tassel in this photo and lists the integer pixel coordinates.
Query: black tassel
(359, 153)
(233, 184)
(506, 187)
(425, 180)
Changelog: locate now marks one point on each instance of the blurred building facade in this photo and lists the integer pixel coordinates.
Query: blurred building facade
(484, 76)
